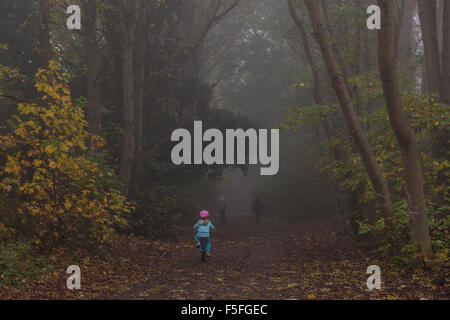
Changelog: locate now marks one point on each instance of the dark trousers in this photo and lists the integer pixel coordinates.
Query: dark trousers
(258, 216)
(222, 214)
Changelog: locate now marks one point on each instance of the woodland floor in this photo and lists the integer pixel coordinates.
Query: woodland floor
(274, 260)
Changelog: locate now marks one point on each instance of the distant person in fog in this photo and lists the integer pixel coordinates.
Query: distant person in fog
(222, 203)
(257, 208)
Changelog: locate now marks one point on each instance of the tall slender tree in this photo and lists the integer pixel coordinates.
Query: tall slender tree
(142, 31)
(129, 13)
(437, 79)
(306, 47)
(329, 130)
(428, 24)
(92, 61)
(446, 54)
(375, 174)
(402, 129)
(44, 33)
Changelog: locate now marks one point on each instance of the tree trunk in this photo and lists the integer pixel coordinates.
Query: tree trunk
(351, 119)
(428, 25)
(406, 40)
(44, 33)
(306, 48)
(141, 46)
(446, 54)
(401, 4)
(402, 129)
(129, 17)
(332, 149)
(93, 88)
(435, 77)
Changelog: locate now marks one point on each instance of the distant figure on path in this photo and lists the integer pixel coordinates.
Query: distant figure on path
(222, 203)
(257, 208)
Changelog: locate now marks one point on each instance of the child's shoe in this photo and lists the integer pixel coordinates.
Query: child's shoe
(208, 255)
(197, 245)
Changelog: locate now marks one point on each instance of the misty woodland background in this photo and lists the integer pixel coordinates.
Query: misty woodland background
(85, 171)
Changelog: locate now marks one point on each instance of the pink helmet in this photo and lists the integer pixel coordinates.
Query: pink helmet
(204, 214)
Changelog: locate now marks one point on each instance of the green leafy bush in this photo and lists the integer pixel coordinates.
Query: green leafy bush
(18, 264)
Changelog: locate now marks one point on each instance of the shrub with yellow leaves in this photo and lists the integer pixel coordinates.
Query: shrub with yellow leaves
(56, 186)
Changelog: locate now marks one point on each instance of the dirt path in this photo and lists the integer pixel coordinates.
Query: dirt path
(277, 261)
(240, 263)
(274, 260)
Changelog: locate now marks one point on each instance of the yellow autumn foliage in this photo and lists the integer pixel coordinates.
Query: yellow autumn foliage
(55, 188)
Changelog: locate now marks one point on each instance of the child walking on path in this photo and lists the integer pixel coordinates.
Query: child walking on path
(203, 227)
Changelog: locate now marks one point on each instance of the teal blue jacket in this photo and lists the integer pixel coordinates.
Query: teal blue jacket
(203, 230)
